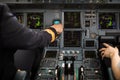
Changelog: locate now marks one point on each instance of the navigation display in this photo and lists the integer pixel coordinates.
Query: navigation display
(107, 20)
(35, 20)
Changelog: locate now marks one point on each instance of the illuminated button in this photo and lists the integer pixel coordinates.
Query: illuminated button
(63, 65)
(77, 52)
(68, 52)
(73, 52)
(96, 71)
(63, 52)
(69, 65)
(39, 74)
(49, 71)
(56, 72)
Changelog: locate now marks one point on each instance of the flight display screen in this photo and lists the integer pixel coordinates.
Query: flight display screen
(51, 54)
(107, 20)
(90, 43)
(89, 54)
(72, 38)
(72, 20)
(35, 20)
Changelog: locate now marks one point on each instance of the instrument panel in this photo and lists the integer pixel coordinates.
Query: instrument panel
(74, 54)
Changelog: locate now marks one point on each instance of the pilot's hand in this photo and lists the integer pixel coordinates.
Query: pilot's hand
(109, 51)
(58, 28)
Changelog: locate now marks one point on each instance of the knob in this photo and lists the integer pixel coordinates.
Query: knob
(73, 52)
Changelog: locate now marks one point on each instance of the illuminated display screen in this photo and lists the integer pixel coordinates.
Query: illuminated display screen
(72, 38)
(51, 54)
(72, 20)
(89, 43)
(107, 21)
(19, 17)
(90, 54)
(35, 20)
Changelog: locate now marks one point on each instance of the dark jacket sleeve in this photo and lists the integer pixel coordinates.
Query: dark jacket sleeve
(15, 35)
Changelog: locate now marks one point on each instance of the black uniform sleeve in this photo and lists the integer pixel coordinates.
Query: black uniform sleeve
(15, 35)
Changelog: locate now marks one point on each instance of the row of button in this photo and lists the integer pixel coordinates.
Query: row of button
(70, 52)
